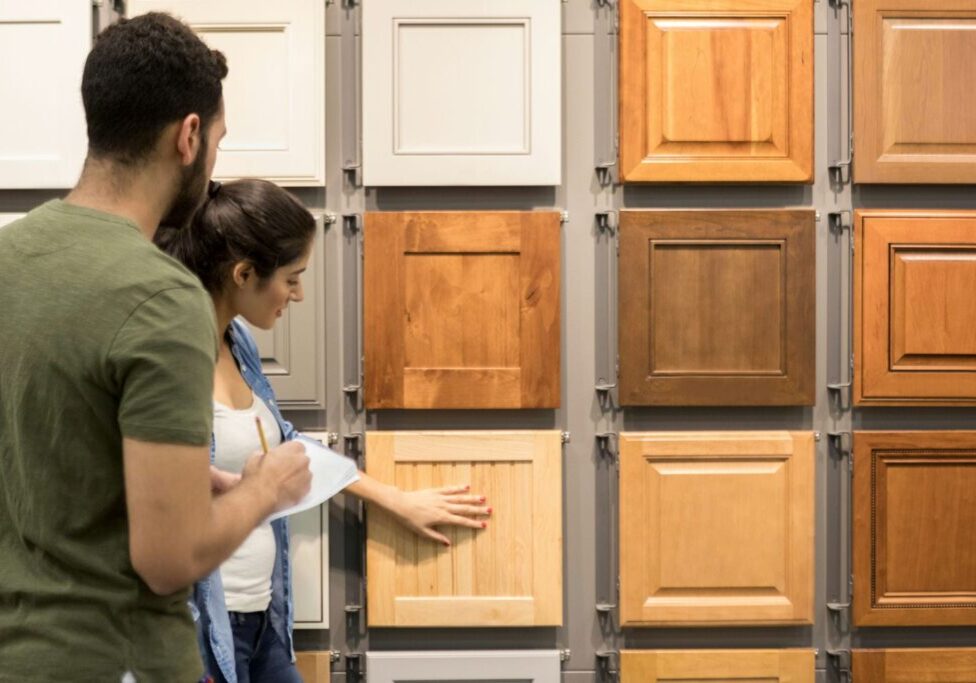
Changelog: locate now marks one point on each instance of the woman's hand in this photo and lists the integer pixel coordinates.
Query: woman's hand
(221, 481)
(424, 509)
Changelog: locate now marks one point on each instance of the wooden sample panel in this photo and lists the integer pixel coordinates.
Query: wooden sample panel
(954, 665)
(717, 666)
(716, 90)
(314, 667)
(717, 307)
(509, 574)
(915, 63)
(476, 666)
(914, 337)
(462, 310)
(914, 525)
(716, 528)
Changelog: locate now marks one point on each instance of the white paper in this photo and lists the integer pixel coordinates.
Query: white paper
(331, 472)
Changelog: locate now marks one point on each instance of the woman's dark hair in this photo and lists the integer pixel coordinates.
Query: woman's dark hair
(245, 220)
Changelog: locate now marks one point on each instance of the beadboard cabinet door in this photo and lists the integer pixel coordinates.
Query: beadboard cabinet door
(509, 574)
(309, 548)
(43, 47)
(914, 525)
(914, 284)
(462, 310)
(463, 666)
(716, 91)
(274, 93)
(462, 92)
(716, 528)
(717, 307)
(904, 665)
(717, 666)
(914, 68)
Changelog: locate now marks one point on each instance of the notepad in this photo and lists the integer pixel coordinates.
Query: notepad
(331, 472)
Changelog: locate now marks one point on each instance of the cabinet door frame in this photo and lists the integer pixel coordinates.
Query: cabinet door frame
(501, 666)
(322, 512)
(774, 666)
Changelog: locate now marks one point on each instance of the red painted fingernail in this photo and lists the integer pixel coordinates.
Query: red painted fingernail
(483, 499)
(489, 510)
(484, 525)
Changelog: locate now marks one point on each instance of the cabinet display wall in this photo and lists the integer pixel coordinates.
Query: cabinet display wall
(716, 666)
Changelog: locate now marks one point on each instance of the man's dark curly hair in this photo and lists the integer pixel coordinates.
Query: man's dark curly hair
(142, 75)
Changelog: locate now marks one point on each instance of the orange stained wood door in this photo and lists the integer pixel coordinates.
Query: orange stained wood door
(914, 525)
(915, 307)
(509, 574)
(717, 666)
(314, 667)
(904, 665)
(716, 90)
(462, 310)
(914, 101)
(717, 307)
(716, 528)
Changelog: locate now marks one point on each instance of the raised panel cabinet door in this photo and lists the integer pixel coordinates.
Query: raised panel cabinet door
(905, 665)
(462, 310)
(914, 66)
(476, 666)
(914, 337)
(274, 93)
(462, 92)
(716, 91)
(716, 528)
(717, 308)
(508, 574)
(43, 47)
(914, 525)
(717, 666)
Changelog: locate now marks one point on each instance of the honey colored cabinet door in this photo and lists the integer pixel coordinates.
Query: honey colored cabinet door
(914, 525)
(957, 665)
(462, 310)
(716, 90)
(915, 275)
(914, 68)
(717, 666)
(717, 307)
(509, 574)
(716, 528)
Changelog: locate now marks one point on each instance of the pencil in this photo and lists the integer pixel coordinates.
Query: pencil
(264, 441)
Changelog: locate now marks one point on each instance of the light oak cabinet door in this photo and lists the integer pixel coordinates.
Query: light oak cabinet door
(914, 68)
(717, 307)
(717, 666)
(716, 528)
(462, 92)
(314, 667)
(43, 47)
(462, 310)
(461, 666)
(914, 525)
(274, 93)
(716, 90)
(915, 275)
(509, 574)
(957, 665)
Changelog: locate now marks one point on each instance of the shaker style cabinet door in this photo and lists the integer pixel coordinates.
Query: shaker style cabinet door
(462, 310)
(462, 92)
(717, 666)
(914, 525)
(509, 574)
(274, 93)
(914, 69)
(309, 548)
(717, 308)
(914, 284)
(716, 91)
(716, 528)
(463, 666)
(43, 47)
(956, 665)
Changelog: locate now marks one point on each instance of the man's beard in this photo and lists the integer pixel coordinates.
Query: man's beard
(193, 187)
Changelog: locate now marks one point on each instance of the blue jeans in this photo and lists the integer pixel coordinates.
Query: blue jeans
(259, 654)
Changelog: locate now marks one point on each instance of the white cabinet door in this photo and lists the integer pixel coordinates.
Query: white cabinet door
(274, 94)
(496, 666)
(309, 546)
(461, 92)
(7, 218)
(43, 46)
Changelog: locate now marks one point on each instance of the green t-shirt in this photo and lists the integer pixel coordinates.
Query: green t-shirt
(101, 336)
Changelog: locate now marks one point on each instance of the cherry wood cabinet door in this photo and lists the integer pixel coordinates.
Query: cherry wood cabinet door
(914, 68)
(462, 310)
(953, 665)
(509, 574)
(914, 284)
(716, 91)
(717, 307)
(717, 666)
(914, 525)
(716, 528)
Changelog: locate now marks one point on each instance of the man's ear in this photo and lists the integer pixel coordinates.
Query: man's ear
(243, 271)
(189, 139)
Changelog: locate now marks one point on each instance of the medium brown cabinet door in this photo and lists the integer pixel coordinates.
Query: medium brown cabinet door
(914, 528)
(717, 307)
(462, 310)
(716, 528)
(717, 666)
(716, 90)
(509, 574)
(957, 665)
(914, 69)
(915, 308)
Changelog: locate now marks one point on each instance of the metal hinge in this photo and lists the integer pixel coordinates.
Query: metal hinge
(607, 221)
(608, 663)
(353, 221)
(607, 442)
(565, 437)
(842, 663)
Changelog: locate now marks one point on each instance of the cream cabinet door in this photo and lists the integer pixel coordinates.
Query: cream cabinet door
(43, 47)
(274, 94)
(8, 218)
(309, 554)
(462, 92)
